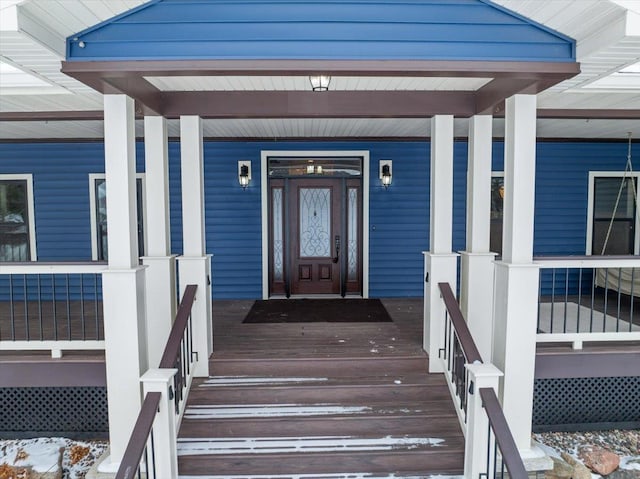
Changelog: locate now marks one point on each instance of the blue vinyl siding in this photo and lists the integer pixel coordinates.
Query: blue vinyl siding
(311, 29)
(399, 216)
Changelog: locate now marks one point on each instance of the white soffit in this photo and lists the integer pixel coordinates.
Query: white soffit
(301, 83)
(272, 129)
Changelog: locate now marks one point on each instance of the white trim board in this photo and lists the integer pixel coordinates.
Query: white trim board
(31, 211)
(264, 180)
(610, 174)
(92, 210)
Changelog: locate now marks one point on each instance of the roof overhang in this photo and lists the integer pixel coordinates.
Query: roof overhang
(505, 79)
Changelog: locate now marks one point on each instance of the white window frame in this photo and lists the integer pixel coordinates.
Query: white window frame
(31, 211)
(610, 174)
(92, 205)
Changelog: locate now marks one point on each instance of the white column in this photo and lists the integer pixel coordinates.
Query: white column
(476, 437)
(516, 277)
(195, 265)
(476, 263)
(440, 262)
(164, 426)
(161, 273)
(123, 282)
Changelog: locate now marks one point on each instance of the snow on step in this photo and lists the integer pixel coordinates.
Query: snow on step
(273, 445)
(356, 475)
(218, 381)
(268, 410)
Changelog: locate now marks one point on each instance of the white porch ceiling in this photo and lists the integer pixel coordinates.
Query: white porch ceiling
(297, 83)
(32, 34)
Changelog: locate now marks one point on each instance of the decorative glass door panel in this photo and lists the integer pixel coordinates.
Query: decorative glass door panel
(315, 222)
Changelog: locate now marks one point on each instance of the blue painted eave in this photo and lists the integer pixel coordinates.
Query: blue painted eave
(458, 30)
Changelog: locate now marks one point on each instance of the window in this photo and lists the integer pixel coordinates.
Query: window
(98, 198)
(17, 226)
(612, 223)
(497, 206)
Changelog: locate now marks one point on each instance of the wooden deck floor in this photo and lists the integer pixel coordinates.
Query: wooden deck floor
(402, 337)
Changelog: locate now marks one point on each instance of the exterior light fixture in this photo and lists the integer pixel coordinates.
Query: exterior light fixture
(386, 172)
(244, 173)
(320, 82)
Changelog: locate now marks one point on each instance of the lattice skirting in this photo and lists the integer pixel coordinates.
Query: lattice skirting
(576, 404)
(78, 412)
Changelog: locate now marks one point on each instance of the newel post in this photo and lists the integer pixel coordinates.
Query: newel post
(477, 434)
(164, 426)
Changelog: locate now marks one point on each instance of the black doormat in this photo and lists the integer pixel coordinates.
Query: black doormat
(317, 310)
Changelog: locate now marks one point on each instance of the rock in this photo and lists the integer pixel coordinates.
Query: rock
(580, 471)
(561, 470)
(624, 474)
(598, 459)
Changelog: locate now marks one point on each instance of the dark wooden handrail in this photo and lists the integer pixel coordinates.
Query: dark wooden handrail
(138, 440)
(510, 455)
(172, 349)
(469, 347)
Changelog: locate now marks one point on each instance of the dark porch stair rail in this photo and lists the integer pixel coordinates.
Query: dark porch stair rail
(490, 450)
(151, 452)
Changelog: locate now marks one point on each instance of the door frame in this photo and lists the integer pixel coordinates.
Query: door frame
(264, 181)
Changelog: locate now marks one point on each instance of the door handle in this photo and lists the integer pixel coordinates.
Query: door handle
(337, 246)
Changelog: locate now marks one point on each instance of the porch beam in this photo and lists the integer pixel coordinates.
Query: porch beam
(489, 69)
(440, 261)
(307, 104)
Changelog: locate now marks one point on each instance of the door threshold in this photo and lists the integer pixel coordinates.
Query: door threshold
(317, 296)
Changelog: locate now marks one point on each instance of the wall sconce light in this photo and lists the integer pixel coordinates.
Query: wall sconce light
(386, 172)
(320, 82)
(244, 173)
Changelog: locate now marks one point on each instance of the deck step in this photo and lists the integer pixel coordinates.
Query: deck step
(321, 455)
(344, 394)
(289, 420)
(351, 366)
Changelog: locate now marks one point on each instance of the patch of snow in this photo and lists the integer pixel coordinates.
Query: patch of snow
(269, 410)
(51, 454)
(253, 381)
(271, 445)
(630, 462)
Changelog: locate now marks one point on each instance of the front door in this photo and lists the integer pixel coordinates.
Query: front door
(316, 235)
(315, 232)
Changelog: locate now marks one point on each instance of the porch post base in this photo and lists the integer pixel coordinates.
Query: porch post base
(514, 349)
(160, 294)
(438, 268)
(125, 352)
(197, 270)
(476, 297)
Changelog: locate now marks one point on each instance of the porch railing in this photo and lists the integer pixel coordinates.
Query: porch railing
(490, 451)
(588, 298)
(51, 306)
(152, 449)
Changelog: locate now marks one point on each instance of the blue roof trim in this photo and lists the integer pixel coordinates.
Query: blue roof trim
(459, 30)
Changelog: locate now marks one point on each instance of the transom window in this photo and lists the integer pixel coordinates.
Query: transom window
(17, 235)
